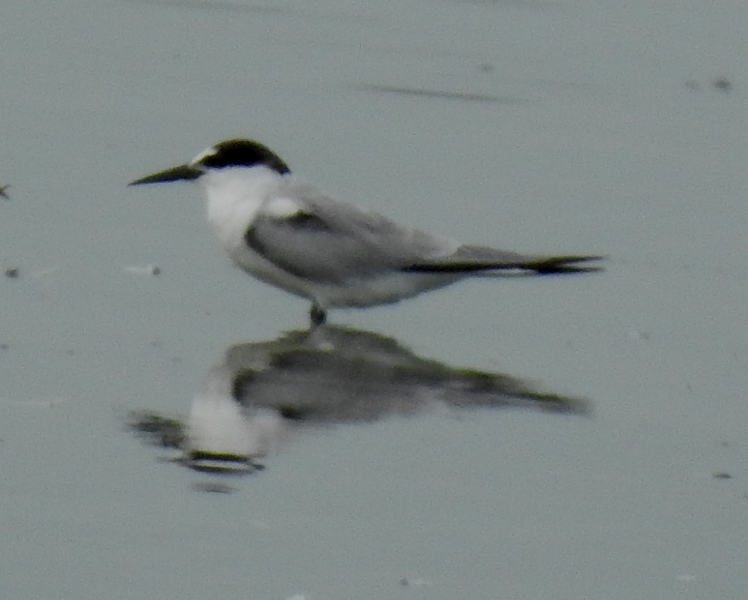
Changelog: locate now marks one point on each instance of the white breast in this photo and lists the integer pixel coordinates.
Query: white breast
(234, 198)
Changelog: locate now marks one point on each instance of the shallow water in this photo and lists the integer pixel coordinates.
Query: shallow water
(534, 126)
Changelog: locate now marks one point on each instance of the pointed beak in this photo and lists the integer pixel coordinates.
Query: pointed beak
(187, 172)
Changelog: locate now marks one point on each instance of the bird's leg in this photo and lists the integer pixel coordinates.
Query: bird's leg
(317, 315)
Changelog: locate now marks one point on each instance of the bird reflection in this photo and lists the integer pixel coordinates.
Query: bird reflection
(261, 390)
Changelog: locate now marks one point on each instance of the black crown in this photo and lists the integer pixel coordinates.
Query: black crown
(243, 153)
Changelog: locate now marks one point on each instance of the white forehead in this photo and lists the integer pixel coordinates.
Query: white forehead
(212, 151)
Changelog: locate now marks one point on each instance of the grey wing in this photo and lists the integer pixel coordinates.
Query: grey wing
(326, 241)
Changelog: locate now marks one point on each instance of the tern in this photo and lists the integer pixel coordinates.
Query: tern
(289, 234)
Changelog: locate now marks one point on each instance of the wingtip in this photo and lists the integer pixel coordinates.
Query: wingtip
(568, 264)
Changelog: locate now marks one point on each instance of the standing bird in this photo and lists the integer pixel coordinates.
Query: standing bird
(293, 236)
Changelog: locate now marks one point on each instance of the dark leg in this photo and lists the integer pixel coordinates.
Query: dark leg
(317, 315)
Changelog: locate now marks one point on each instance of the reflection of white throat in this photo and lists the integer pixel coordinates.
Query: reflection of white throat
(219, 425)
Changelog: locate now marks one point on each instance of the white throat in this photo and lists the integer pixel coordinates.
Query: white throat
(234, 197)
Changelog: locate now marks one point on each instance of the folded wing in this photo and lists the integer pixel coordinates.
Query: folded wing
(330, 242)
(320, 239)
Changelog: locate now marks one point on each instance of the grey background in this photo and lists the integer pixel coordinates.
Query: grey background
(548, 126)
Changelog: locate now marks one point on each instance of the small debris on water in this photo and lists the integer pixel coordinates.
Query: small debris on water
(722, 83)
(144, 270)
(213, 487)
(637, 335)
(416, 582)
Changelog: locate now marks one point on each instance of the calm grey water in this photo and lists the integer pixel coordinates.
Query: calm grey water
(566, 126)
